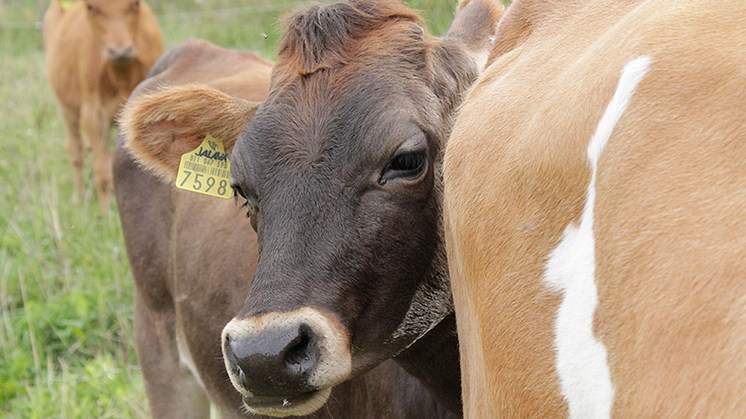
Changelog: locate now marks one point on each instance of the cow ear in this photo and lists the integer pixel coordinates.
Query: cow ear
(462, 53)
(159, 128)
(474, 26)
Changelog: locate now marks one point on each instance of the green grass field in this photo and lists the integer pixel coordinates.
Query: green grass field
(66, 337)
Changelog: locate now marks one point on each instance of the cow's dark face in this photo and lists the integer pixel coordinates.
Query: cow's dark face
(340, 168)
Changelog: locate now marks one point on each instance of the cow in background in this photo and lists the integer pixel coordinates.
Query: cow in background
(192, 259)
(340, 172)
(97, 52)
(595, 213)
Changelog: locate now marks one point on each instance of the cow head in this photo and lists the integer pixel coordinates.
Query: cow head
(340, 172)
(115, 23)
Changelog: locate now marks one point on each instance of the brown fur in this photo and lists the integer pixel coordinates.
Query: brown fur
(162, 126)
(324, 36)
(193, 256)
(669, 214)
(86, 47)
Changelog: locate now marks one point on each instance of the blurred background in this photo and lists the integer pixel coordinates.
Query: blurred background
(66, 336)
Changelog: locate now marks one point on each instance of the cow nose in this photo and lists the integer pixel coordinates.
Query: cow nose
(117, 54)
(275, 363)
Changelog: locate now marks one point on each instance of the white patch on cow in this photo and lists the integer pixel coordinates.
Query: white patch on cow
(581, 359)
(185, 356)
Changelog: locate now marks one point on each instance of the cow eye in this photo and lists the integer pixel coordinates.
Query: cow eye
(251, 206)
(237, 191)
(92, 10)
(407, 165)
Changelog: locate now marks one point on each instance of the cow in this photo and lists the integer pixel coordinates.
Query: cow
(97, 52)
(595, 194)
(192, 259)
(339, 170)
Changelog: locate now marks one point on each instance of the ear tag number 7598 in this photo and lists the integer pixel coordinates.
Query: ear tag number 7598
(206, 170)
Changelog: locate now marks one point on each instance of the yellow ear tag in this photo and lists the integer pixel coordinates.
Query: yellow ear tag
(206, 170)
(67, 4)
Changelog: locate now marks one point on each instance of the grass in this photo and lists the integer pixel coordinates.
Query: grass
(66, 336)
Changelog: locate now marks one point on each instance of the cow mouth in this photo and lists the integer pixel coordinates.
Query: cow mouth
(120, 59)
(297, 405)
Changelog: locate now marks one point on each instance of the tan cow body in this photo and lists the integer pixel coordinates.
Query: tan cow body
(193, 256)
(595, 212)
(97, 52)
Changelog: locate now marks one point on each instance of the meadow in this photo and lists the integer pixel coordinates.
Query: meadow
(66, 335)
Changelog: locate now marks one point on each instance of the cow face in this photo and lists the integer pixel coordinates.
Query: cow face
(340, 172)
(115, 24)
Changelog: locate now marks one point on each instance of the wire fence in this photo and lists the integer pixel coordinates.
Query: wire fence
(196, 14)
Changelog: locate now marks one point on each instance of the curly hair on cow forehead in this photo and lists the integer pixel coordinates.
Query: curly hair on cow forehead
(319, 36)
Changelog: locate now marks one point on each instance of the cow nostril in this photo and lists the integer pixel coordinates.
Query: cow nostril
(276, 363)
(299, 354)
(231, 356)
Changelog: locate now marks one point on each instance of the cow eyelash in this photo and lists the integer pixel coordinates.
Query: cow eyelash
(252, 211)
(238, 193)
(250, 207)
(406, 165)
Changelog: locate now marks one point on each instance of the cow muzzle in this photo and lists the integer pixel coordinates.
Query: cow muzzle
(120, 55)
(286, 363)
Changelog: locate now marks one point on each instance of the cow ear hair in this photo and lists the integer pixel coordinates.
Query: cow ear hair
(159, 128)
(462, 53)
(474, 26)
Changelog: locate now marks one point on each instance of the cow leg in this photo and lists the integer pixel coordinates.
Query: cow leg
(96, 125)
(74, 148)
(172, 390)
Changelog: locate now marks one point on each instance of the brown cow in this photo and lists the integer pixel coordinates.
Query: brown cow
(192, 260)
(340, 168)
(595, 213)
(97, 52)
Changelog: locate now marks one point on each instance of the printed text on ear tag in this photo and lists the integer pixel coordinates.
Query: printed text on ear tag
(206, 170)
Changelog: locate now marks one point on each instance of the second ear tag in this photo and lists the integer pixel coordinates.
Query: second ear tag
(67, 4)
